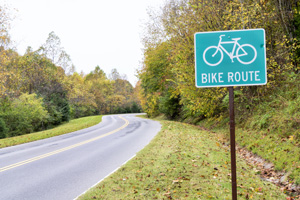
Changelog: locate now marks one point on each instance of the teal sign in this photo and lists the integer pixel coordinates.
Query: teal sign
(230, 58)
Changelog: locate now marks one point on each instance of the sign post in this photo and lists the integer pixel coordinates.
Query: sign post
(232, 144)
(228, 59)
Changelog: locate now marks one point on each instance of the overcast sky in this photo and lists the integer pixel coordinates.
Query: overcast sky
(93, 32)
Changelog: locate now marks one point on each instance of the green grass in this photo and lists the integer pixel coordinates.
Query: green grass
(182, 162)
(73, 125)
(283, 153)
(270, 128)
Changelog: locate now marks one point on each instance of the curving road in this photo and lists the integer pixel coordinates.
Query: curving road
(65, 166)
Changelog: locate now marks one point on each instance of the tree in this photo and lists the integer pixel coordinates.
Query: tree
(82, 101)
(34, 73)
(169, 51)
(65, 62)
(5, 19)
(123, 90)
(52, 49)
(98, 85)
(114, 75)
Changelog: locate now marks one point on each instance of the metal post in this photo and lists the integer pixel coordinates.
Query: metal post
(232, 144)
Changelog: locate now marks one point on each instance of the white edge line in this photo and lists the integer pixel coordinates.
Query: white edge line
(104, 177)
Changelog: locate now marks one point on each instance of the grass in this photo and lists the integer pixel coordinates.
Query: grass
(182, 162)
(283, 153)
(270, 128)
(73, 125)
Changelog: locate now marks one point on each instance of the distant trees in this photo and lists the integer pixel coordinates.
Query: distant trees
(114, 95)
(41, 89)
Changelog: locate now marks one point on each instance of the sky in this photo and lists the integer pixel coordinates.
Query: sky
(106, 33)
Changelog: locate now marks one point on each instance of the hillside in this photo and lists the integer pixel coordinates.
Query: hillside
(268, 116)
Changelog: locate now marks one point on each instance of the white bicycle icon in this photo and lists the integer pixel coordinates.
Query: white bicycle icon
(245, 57)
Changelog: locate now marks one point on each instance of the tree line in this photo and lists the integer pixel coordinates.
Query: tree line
(167, 78)
(41, 89)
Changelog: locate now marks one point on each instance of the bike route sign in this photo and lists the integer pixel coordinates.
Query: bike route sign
(230, 58)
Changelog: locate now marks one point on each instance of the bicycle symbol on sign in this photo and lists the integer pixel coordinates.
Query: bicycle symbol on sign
(245, 53)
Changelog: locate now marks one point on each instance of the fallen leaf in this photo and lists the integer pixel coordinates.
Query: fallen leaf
(175, 181)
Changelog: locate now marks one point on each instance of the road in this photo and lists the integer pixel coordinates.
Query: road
(65, 166)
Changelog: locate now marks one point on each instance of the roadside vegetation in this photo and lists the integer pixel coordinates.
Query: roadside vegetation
(68, 127)
(270, 129)
(41, 89)
(183, 162)
(267, 117)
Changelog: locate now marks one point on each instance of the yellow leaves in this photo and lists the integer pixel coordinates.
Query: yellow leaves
(173, 60)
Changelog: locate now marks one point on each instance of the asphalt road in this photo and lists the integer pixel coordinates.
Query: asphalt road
(65, 166)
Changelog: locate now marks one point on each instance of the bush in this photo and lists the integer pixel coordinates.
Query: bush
(25, 115)
(135, 108)
(170, 106)
(58, 108)
(3, 129)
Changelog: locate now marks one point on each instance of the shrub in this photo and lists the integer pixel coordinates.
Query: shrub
(3, 129)
(25, 115)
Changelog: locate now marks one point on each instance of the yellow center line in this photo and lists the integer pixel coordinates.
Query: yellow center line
(63, 149)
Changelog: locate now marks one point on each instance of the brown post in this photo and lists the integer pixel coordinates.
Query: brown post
(232, 144)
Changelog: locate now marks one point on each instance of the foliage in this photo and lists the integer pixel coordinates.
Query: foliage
(279, 113)
(158, 93)
(3, 129)
(34, 73)
(71, 126)
(170, 106)
(52, 50)
(48, 74)
(25, 115)
(5, 19)
(169, 52)
(82, 102)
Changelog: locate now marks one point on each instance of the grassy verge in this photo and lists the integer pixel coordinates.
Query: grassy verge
(71, 126)
(182, 162)
(273, 133)
(283, 153)
(269, 127)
